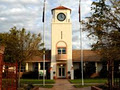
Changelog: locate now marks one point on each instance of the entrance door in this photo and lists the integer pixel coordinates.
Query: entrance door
(61, 71)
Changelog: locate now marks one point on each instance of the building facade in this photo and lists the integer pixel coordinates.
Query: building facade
(61, 61)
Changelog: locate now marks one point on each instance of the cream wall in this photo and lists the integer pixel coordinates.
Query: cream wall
(66, 28)
(66, 12)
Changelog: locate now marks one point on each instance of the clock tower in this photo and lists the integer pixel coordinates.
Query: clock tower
(61, 49)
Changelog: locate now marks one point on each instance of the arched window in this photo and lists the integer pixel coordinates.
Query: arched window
(61, 50)
(61, 47)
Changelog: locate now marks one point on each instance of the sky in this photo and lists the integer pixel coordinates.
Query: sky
(28, 14)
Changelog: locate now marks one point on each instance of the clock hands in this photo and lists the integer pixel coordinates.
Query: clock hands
(62, 16)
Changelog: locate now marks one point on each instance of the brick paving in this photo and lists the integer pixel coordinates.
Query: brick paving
(64, 84)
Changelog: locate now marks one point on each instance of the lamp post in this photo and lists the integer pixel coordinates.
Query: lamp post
(43, 20)
(81, 46)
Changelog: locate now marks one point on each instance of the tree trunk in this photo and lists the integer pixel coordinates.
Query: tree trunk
(19, 75)
(110, 74)
(113, 73)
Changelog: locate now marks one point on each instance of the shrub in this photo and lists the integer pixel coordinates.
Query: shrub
(77, 74)
(30, 75)
(103, 73)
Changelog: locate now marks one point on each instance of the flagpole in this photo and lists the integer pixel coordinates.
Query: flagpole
(81, 53)
(43, 20)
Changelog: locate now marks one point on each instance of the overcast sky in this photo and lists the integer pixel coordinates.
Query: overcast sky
(28, 14)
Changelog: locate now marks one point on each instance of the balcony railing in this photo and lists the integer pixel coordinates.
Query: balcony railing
(61, 57)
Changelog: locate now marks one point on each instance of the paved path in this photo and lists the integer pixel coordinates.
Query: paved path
(64, 84)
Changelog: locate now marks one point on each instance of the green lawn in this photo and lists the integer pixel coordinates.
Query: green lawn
(88, 82)
(78, 81)
(36, 81)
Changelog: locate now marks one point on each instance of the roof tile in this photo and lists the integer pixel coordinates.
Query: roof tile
(61, 7)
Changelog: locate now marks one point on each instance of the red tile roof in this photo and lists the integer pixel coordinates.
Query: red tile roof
(40, 58)
(88, 56)
(61, 8)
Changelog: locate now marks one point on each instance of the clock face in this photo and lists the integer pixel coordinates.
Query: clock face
(61, 17)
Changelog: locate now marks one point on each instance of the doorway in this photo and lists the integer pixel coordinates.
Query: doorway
(61, 71)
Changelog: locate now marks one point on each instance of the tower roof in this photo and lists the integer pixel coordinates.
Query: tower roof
(61, 8)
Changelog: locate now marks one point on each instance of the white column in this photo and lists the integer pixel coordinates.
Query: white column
(84, 66)
(39, 66)
(96, 65)
(51, 75)
(51, 72)
(26, 68)
(72, 72)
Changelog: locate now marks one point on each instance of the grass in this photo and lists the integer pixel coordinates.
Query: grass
(36, 81)
(78, 81)
(89, 82)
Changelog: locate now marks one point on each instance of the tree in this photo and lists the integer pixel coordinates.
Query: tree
(103, 25)
(20, 46)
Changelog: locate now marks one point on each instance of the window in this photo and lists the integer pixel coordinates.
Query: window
(61, 50)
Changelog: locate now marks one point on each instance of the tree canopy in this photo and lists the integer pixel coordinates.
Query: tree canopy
(20, 45)
(104, 26)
